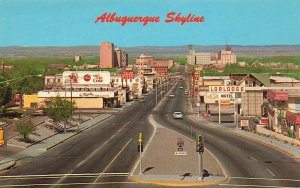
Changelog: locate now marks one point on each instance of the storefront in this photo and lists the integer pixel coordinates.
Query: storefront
(293, 121)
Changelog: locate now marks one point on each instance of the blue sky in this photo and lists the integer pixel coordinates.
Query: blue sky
(71, 22)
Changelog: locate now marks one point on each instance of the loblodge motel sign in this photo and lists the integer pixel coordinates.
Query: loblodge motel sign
(227, 89)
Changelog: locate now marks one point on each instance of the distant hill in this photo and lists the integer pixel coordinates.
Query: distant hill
(157, 51)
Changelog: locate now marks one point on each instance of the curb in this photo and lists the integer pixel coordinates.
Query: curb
(7, 165)
(175, 183)
(283, 151)
(76, 134)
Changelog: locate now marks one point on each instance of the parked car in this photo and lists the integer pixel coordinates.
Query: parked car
(171, 95)
(181, 87)
(177, 115)
(186, 92)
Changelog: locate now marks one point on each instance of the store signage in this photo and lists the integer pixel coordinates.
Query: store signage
(244, 123)
(227, 89)
(127, 75)
(225, 103)
(293, 117)
(86, 77)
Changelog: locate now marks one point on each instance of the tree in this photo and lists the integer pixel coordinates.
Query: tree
(24, 79)
(25, 128)
(60, 110)
(5, 92)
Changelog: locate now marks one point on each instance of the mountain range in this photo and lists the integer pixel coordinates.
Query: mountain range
(156, 51)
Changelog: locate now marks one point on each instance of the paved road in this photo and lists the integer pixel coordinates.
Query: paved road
(246, 162)
(104, 154)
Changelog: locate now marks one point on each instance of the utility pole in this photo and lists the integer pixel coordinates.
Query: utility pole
(156, 94)
(219, 108)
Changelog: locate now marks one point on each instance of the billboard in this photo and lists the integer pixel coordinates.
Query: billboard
(86, 77)
(127, 75)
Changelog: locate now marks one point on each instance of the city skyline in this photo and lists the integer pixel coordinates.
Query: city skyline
(65, 23)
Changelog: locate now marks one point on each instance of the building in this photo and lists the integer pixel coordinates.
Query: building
(77, 58)
(161, 67)
(283, 111)
(57, 66)
(88, 89)
(191, 57)
(124, 59)
(53, 81)
(144, 59)
(6, 66)
(117, 57)
(226, 56)
(106, 55)
(203, 58)
(284, 81)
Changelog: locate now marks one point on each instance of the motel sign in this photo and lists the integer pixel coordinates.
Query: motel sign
(227, 89)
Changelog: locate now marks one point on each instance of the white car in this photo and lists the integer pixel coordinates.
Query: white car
(177, 115)
(171, 95)
(181, 87)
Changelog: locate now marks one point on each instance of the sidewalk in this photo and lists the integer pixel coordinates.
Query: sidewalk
(36, 149)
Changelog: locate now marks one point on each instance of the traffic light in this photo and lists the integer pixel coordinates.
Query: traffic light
(1, 137)
(200, 146)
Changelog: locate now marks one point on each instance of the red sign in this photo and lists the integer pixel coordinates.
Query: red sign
(280, 96)
(293, 117)
(196, 75)
(87, 77)
(127, 75)
(264, 121)
(17, 97)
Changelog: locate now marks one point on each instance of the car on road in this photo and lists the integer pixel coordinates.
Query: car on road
(177, 115)
(171, 95)
(181, 87)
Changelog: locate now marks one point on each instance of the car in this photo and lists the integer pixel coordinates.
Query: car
(186, 93)
(177, 115)
(181, 87)
(171, 95)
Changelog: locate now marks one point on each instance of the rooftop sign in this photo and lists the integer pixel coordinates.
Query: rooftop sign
(227, 89)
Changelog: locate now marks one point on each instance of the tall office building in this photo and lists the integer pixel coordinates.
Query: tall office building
(117, 57)
(106, 55)
(203, 58)
(124, 59)
(227, 56)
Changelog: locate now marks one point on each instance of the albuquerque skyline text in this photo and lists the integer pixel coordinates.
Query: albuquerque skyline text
(171, 17)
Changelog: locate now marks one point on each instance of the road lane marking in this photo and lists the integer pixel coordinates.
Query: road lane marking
(241, 185)
(81, 163)
(99, 148)
(68, 184)
(113, 160)
(253, 158)
(270, 172)
(268, 179)
(150, 119)
(237, 148)
(55, 176)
